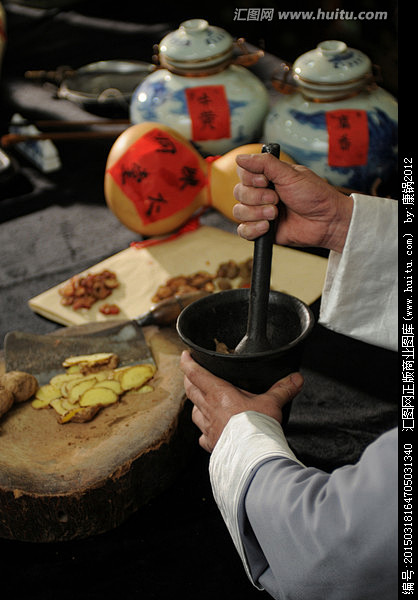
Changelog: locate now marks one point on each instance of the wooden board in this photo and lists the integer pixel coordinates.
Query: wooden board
(141, 271)
(60, 482)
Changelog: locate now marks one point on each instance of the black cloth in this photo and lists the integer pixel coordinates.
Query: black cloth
(52, 226)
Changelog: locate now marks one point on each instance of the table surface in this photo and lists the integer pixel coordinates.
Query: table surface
(53, 226)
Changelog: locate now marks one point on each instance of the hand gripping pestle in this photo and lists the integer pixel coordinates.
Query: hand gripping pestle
(255, 339)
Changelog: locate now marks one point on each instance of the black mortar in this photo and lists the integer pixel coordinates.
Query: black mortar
(223, 316)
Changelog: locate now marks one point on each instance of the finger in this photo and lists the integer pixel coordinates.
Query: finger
(192, 392)
(197, 375)
(269, 166)
(258, 180)
(198, 419)
(204, 443)
(286, 389)
(254, 196)
(245, 213)
(252, 163)
(251, 231)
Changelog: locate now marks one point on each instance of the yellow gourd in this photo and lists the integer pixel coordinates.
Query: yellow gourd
(156, 180)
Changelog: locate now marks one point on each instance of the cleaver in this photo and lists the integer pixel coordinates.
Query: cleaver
(42, 355)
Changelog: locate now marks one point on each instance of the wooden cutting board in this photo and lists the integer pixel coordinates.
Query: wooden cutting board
(61, 482)
(140, 270)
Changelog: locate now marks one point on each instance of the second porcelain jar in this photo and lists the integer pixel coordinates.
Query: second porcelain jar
(337, 121)
(200, 92)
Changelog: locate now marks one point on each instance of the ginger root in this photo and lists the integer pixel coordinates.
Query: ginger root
(22, 385)
(16, 386)
(6, 401)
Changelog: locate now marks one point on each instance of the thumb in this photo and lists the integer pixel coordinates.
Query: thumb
(284, 390)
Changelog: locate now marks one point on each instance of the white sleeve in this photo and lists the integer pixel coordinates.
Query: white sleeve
(231, 464)
(360, 295)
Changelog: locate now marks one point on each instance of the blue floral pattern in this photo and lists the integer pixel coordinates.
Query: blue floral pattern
(163, 99)
(382, 151)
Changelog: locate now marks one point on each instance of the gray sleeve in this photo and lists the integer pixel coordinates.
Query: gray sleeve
(311, 535)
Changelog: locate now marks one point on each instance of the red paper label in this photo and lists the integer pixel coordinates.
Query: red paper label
(348, 134)
(159, 174)
(209, 112)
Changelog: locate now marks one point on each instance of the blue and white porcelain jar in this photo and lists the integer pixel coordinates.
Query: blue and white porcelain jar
(338, 121)
(200, 92)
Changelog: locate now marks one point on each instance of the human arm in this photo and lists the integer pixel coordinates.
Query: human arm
(360, 293)
(295, 527)
(312, 212)
(302, 533)
(359, 298)
(216, 401)
(259, 485)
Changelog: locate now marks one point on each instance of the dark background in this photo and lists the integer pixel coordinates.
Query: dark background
(50, 37)
(53, 226)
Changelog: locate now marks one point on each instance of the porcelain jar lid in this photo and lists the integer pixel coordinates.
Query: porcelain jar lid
(332, 69)
(196, 46)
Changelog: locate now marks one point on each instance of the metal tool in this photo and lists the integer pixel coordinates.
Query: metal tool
(42, 355)
(164, 312)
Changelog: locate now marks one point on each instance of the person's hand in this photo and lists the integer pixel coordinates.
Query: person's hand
(216, 401)
(312, 212)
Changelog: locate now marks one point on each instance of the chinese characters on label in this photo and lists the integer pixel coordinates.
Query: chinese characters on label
(159, 174)
(348, 138)
(209, 112)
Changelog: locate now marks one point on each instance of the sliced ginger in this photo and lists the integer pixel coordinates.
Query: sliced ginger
(80, 414)
(79, 388)
(111, 384)
(46, 394)
(89, 384)
(98, 396)
(135, 377)
(100, 358)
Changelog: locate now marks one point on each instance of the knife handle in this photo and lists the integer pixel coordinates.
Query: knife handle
(167, 311)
